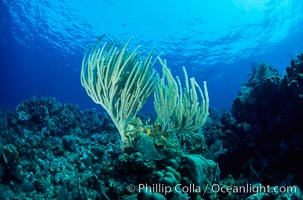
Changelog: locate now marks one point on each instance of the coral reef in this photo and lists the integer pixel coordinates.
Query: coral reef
(267, 127)
(57, 151)
(50, 150)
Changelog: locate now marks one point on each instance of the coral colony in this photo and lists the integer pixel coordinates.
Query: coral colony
(51, 150)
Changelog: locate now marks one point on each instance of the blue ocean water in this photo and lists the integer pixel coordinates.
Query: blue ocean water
(43, 42)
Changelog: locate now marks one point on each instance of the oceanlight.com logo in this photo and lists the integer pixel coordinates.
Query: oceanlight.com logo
(214, 188)
(252, 189)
